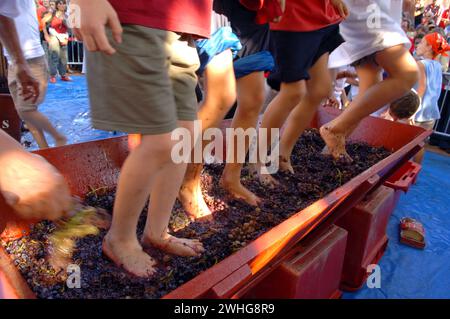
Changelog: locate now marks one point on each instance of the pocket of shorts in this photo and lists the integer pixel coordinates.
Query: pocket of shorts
(141, 41)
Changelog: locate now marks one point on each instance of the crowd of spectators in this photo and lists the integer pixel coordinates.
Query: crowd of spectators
(55, 36)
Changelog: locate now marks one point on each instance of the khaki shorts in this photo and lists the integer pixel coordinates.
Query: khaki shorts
(428, 125)
(39, 70)
(147, 86)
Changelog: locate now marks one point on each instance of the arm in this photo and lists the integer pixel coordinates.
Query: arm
(10, 40)
(46, 19)
(344, 99)
(95, 15)
(409, 7)
(30, 184)
(341, 8)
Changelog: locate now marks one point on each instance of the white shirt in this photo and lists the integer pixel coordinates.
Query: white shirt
(9, 8)
(372, 26)
(218, 21)
(27, 26)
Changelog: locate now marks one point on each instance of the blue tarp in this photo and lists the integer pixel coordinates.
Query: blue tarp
(411, 273)
(67, 106)
(405, 272)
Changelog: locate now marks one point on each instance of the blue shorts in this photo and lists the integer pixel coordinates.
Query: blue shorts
(220, 41)
(261, 61)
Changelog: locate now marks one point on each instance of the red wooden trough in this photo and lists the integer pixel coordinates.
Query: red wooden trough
(9, 119)
(96, 164)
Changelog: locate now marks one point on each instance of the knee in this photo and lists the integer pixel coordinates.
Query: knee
(251, 104)
(408, 78)
(227, 98)
(411, 78)
(292, 94)
(156, 146)
(319, 93)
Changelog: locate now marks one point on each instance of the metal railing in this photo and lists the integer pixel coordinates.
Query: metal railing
(75, 53)
(442, 126)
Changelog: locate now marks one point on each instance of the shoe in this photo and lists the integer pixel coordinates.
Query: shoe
(412, 233)
(65, 78)
(53, 79)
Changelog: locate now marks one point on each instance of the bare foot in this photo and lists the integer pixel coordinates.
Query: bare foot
(326, 151)
(266, 179)
(129, 256)
(335, 144)
(176, 246)
(194, 204)
(61, 141)
(240, 192)
(285, 165)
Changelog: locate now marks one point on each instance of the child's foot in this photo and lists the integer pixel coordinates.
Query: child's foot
(255, 171)
(191, 197)
(53, 79)
(239, 191)
(335, 144)
(61, 141)
(285, 165)
(129, 256)
(176, 246)
(326, 151)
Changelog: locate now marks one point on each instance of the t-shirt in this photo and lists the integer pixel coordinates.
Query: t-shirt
(311, 15)
(27, 26)
(254, 37)
(9, 8)
(372, 26)
(445, 16)
(184, 16)
(429, 109)
(58, 25)
(40, 11)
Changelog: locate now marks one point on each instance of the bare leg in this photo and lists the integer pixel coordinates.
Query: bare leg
(164, 192)
(136, 178)
(41, 123)
(402, 70)
(369, 75)
(275, 116)
(318, 89)
(38, 136)
(250, 101)
(220, 96)
(419, 156)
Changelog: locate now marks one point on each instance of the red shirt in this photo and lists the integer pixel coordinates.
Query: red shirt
(58, 25)
(40, 11)
(186, 16)
(445, 16)
(307, 15)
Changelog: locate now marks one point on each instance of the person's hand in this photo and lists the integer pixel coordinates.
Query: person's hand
(341, 8)
(332, 102)
(346, 75)
(29, 85)
(94, 16)
(33, 187)
(282, 4)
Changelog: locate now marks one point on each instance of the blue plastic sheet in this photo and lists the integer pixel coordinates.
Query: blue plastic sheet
(408, 272)
(67, 106)
(220, 41)
(262, 61)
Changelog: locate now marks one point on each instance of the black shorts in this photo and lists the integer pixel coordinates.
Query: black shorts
(297, 52)
(254, 38)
